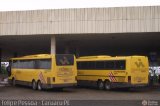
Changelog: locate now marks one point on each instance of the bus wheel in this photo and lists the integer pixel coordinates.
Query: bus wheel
(107, 85)
(13, 82)
(39, 85)
(34, 85)
(100, 85)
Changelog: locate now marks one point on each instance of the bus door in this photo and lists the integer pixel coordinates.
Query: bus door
(139, 70)
(65, 68)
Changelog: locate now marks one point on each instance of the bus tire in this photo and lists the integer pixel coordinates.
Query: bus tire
(39, 85)
(107, 85)
(34, 85)
(100, 85)
(13, 82)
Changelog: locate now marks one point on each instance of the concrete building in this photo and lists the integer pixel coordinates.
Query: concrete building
(87, 31)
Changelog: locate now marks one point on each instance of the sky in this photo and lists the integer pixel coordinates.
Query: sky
(14, 5)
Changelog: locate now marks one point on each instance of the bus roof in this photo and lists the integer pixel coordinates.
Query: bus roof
(34, 56)
(37, 56)
(106, 57)
(90, 57)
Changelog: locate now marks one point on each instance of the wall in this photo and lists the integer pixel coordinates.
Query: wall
(74, 21)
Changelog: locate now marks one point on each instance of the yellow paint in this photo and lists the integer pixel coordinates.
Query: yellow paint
(68, 73)
(136, 67)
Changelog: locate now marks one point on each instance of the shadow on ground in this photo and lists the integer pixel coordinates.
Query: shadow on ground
(137, 89)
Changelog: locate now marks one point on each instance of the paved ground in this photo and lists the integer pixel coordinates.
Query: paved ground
(22, 92)
(81, 96)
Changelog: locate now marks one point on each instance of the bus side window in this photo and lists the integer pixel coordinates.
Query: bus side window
(43, 64)
(100, 65)
(109, 65)
(120, 65)
(79, 65)
(84, 65)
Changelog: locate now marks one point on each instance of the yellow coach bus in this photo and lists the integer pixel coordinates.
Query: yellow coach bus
(108, 72)
(44, 71)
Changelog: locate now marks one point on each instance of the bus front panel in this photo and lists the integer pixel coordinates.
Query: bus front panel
(139, 70)
(66, 71)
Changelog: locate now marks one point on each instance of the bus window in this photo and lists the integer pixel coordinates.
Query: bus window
(63, 60)
(99, 65)
(92, 65)
(120, 65)
(15, 64)
(79, 65)
(43, 64)
(109, 65)
(26, 64)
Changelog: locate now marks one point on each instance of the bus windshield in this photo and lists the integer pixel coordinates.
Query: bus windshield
(64, 60)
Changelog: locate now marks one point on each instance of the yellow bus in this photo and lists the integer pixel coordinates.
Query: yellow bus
(108, 72)
(44, 71)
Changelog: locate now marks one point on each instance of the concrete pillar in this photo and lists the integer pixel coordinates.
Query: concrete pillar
(53, 44)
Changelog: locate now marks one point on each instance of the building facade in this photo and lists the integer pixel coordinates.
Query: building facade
(86, 31)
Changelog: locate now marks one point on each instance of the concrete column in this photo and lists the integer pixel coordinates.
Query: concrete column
(53, 44)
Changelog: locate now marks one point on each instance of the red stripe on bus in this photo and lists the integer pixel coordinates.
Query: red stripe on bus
(113, 76)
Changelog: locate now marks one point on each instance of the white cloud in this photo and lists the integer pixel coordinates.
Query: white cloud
(12, 5)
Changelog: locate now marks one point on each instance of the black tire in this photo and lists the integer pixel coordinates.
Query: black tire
(39, 85)
(100, 85)
(107, 85)
(13, 82)
(34, 85)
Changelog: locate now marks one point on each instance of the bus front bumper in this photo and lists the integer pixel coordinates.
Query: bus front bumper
(48, 86)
